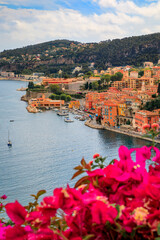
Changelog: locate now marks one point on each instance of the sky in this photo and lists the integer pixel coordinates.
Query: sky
(28, 22)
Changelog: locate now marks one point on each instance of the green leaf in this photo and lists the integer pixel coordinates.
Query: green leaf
(88, 237)
(111, 162)
(78, 167)
(158, 238)
(118, 210)
(41, 192)
(81, 181)
(158, 229)
(97, 160)
(77, 174)
(83, 162)
(94, 166)
(33, 196)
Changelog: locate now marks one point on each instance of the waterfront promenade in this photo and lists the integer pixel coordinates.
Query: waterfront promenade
(92, 124)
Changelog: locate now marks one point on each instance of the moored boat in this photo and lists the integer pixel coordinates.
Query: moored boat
(61, 113)
(67, 119)
(9, 143)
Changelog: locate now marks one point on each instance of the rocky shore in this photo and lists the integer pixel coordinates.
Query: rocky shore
(31, 109)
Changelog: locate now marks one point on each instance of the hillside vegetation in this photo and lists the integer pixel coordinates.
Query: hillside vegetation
(50, 57)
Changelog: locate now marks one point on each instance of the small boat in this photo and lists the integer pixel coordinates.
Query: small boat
(55, 109)
(9, 141)
(67, 119)
(62, 113)
(11, 120)
(77, 117)
(82, 118)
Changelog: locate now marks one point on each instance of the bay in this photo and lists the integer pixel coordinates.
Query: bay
(45, 148)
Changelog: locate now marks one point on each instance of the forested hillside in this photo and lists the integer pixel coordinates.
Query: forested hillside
(52, 56)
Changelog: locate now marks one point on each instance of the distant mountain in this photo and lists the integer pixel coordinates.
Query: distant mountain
(50, 57)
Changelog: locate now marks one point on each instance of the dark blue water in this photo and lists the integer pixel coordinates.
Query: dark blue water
(45, 148)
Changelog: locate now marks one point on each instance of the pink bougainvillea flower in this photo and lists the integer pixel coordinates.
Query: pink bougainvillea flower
(36, 219)
(96, 155)
(153, 191)
(146, 127)
(124, 153)
(3, 230)
(46, 234)
(157, 157)
(16, 233)
(101, 213)
(142, 154)
(3, 196)
(155, 126)
(48, 207)
(16, 212)
(154, 219)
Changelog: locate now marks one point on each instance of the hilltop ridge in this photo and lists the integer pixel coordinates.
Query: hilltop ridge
(50, 57)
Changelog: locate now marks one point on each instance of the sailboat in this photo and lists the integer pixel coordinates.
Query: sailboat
(9, 141)
(62, 113)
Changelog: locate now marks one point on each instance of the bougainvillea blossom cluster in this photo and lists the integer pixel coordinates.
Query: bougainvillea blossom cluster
(119, 201)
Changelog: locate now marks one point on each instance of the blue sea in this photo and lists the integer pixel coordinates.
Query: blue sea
(45, 148)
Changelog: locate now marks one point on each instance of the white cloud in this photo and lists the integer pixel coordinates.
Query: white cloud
(23, 27)
(107, 3)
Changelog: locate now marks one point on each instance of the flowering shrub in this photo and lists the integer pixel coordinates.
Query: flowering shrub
(152, 131)
(118, 201)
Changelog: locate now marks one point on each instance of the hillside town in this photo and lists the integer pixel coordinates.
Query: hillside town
(120, 106)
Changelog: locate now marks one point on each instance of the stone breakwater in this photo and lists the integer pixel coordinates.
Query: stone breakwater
(92, 124)
(31, 109)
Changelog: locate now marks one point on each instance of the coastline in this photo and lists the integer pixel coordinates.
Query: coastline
(92, 124)
(16, 79)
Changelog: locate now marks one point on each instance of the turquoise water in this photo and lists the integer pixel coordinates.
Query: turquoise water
(45, 148)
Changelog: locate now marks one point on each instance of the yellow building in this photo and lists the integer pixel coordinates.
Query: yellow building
(121, 109)
(74, 104)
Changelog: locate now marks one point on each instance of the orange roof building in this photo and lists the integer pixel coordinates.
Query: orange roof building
(143, 117)
(45, 102)
(109, 113)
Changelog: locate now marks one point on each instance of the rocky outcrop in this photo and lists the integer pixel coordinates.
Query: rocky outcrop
(31, 109)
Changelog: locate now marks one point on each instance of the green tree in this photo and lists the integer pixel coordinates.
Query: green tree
(68, 98)
(158, 90)
(27, 72)
(140, 73)
(58, 97)
(65, 75)
(53, 96)
(86, 85)
(95, 85)
(30, 85)
(63, 97)
(119, 76)
(90, 86)
(105, 79)
(55, 88)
